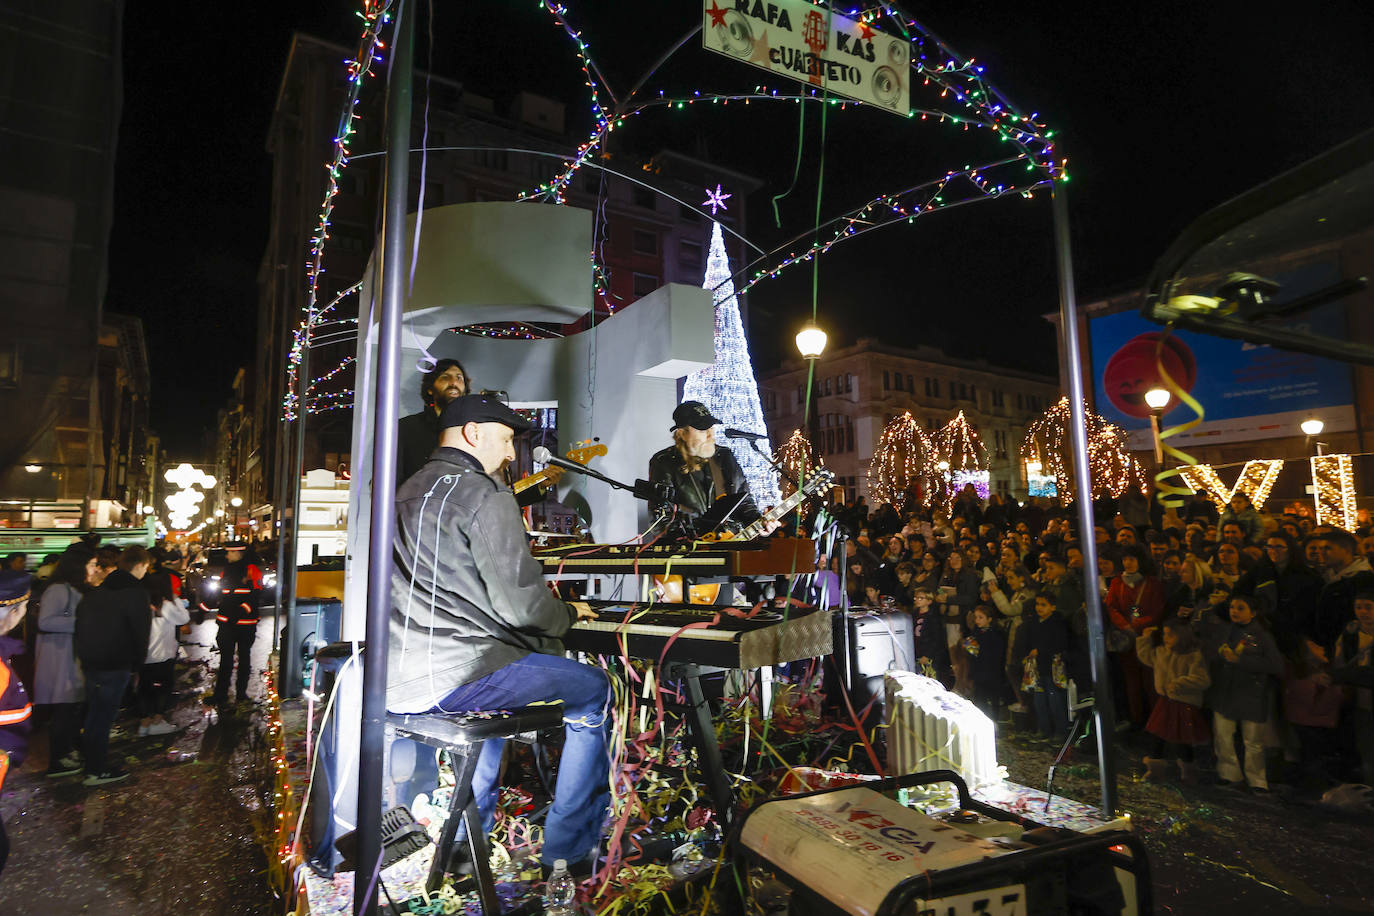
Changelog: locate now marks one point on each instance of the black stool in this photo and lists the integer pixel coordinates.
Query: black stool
(462, 735)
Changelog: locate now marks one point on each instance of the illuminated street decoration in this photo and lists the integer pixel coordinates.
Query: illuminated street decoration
(960, 457)
(1333, 489)
(727, 386)
(183, 506)
(1255, 481)
(797, 459)
(716, 199)
(185, 476)
(900, 462)
(1111, 467)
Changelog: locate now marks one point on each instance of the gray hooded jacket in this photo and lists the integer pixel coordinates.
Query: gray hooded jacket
(467, 597)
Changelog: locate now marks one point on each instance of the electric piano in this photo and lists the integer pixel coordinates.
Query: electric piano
(721, 636)
(759, 557)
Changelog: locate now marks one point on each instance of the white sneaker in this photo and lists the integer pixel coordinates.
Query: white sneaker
(158, 728)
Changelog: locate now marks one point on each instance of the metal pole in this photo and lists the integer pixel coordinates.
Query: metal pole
(286, 584)
(291, 474)
(1103, 709)
(384, 436)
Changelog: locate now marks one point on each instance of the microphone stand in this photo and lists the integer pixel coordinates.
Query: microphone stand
(640, 489)
(754, 444)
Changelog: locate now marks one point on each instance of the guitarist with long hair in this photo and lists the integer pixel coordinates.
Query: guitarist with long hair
(700, 472)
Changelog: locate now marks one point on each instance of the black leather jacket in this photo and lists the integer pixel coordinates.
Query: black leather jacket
(695, 492)
(466, 596)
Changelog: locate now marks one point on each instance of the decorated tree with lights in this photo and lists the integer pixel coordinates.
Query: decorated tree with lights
(1112, 469)
(960, 457)
(798, 459)
(901, 462)
(727, 386)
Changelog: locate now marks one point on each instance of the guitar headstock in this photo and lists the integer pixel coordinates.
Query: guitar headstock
(586, 453)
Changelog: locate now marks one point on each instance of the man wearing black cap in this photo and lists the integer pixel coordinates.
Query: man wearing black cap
(419, 433)
(699, 473)
(474, 626)
(240, 591)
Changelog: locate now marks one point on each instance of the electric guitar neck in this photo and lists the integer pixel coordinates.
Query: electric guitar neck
(580, 455)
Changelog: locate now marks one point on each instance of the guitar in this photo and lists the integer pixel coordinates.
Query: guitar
(817, 482)
(580, 455)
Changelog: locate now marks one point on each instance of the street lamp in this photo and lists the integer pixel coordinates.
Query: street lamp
(1313, 426)
(1157, 399)
(236, 501)
(811, 341)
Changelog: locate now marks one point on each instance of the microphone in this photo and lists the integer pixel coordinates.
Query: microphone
(741, 434)
(544, 456)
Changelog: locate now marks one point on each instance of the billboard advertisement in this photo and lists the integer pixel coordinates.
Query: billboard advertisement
(1247, 391)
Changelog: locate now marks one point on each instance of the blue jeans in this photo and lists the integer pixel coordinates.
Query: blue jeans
(1051, 711)
(104, 690)
(573, 827)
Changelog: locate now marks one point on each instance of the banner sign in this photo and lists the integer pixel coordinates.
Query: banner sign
(795, 39)
(1249, 391)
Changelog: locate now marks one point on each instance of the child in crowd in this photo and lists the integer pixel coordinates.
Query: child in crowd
(1177, 721)
(1043, 656)
(986, 646)
(1352, 666)
(1245, 667)
(15, 709)
(932, 648)
(157, 677)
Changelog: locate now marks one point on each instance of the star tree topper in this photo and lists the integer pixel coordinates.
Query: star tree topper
(716, 200)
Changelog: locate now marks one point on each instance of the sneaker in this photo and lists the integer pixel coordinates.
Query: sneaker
(159, 728)
(67, 766)
(104, 777)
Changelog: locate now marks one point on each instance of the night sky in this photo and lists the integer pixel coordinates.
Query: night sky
(1164, 110)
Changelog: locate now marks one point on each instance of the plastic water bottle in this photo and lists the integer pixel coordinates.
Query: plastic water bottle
(560, 891)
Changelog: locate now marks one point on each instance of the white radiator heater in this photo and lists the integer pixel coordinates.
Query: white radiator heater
(931, 728)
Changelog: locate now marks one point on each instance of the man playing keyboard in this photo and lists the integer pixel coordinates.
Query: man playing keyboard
(474, 627)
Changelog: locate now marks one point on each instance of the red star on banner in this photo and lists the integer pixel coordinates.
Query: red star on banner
(866, 31)
(717, 14)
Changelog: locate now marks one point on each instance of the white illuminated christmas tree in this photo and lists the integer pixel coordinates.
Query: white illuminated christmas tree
(727, 386)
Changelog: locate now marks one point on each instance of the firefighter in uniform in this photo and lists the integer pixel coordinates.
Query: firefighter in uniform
(240, 590)
(15, 710)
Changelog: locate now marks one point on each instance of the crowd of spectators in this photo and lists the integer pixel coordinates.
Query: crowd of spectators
(1225, 625)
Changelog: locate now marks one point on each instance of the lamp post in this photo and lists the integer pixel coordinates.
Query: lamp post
(1313, 426)
(1157, 399)
(811, 341)
(236, 501)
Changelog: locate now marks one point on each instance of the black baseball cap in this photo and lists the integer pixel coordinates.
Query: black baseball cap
(481, 408)
(693, 414)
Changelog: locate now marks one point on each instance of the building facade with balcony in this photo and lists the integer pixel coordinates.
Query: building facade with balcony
(859, 389)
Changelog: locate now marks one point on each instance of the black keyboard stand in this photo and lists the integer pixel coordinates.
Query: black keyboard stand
(702, 731)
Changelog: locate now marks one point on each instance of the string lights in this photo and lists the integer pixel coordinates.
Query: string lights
(1333, 489)
(1048, 448)
(960, 457)
(375, 14)
(1255, 481)
(797, 458)
(955, 92)
(900, 462)
(962, 97)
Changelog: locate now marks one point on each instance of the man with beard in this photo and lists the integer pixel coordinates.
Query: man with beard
(419, 433)
(699, 472)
